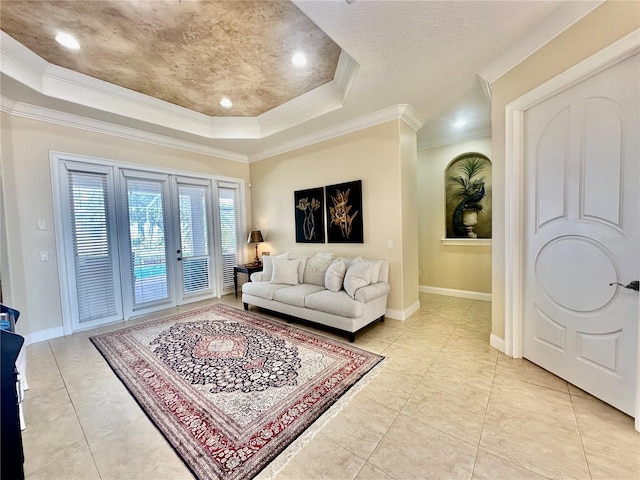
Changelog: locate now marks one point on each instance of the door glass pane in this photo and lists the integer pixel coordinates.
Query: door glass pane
(90, 212)
(146, 205)
(228, 199)
(194, 237)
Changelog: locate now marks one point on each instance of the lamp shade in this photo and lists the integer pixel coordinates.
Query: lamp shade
(255, 237)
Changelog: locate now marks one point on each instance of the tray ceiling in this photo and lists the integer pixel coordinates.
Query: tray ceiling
(188, 53)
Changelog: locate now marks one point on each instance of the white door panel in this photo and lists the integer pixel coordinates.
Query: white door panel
(582, 232)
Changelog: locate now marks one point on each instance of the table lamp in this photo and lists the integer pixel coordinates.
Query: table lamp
(255, 237)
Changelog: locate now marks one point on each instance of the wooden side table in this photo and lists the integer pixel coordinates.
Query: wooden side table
(249, 268)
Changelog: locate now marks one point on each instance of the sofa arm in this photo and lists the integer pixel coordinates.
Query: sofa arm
(256, 277)
(370, 292)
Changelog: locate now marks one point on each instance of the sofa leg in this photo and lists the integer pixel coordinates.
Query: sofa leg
(352, 337)
(246, 306)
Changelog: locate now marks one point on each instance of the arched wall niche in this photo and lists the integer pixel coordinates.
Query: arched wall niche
(468, 197)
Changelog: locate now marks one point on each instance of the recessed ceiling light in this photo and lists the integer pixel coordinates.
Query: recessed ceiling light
(67, 40)
(226, 103)
(299, 59)
(460, 123)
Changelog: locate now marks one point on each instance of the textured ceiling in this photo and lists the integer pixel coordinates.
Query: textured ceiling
(189, 53)
(426, 54)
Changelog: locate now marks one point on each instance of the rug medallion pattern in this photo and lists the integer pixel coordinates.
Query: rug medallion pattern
(229, 389)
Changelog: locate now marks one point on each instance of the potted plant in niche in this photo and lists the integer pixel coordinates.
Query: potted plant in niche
(469, 193)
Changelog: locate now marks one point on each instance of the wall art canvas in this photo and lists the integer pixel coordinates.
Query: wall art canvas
(309, 215)
(468, 197)
(344, 212)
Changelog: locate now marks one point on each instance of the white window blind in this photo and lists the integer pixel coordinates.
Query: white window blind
(90, 209)
(229, 209)
(194, 237)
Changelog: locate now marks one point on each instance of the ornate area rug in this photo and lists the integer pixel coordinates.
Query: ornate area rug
(230, 389)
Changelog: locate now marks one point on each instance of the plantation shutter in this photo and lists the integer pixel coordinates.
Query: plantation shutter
(194, 237)
(229, 210)
(91, 216)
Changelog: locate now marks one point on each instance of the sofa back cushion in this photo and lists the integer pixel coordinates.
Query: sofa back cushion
(303, 263)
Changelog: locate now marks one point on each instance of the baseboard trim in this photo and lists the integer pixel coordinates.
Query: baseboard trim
(496, 342)
(43, 335)
(402, 314)
(451, 292)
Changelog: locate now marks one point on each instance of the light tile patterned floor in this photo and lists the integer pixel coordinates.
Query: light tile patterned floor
(446, 406)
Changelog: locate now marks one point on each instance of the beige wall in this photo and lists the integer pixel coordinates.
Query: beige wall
(28, 283)
(447, 266)
(384, 158)
(608, 23)
(409, 206)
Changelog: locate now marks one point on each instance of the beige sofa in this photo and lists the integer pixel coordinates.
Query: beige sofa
(346, 294)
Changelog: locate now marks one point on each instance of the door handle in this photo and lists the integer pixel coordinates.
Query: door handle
(635, 285)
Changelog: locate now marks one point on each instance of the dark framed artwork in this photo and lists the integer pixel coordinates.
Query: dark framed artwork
(309, 215)
(344, 212)
(468, 197)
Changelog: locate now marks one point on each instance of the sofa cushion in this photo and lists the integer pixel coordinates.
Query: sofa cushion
(301, 267)
(285, 271)
(336, 303)
(334, 276)
(316, 269)
(358, 275)
(262, 289)
(327, 255)
(295, 294)
(267, 265)
(376, 267)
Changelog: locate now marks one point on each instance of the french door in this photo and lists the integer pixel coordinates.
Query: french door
(138, 241)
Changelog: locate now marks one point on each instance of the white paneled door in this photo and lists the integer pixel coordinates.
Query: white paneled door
(582, 177)
(194, 245)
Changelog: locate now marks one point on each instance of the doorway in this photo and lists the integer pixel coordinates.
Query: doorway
(132, 240)
(530, 279)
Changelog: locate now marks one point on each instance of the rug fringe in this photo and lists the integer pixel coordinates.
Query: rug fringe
(282, 460)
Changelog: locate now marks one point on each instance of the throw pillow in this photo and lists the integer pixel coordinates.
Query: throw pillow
(285, 271)
(358, 276)
(315, 270)
(334, 276)
(267, 265)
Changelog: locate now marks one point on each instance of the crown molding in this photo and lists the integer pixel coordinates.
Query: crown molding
(410, 117)
(397, 112)
(43, 114)
(346, 72)
(567, 14)
(20, 62)
(23, 65)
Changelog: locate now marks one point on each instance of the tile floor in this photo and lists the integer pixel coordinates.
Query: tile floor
(446, 406)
